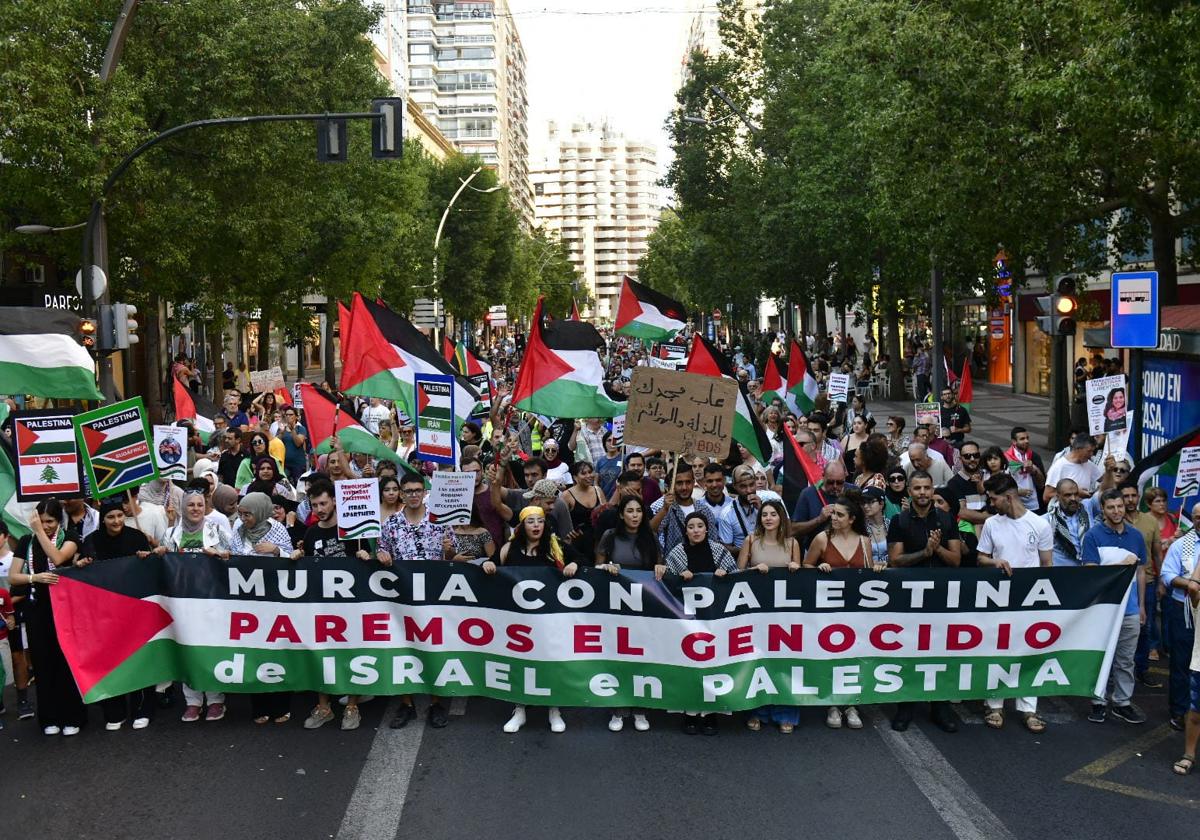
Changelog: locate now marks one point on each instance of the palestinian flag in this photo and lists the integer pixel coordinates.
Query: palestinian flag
(799, 470)
(478, 373)
(966, 388)
(561, 374)
(1163, 463)
(575, 310)
(321, 413)
(40, 354)
(774, 379)
(646, 314)
(435, 424)
(193, 407)
(801, 393)
(707, 360)
(12, 511)
(396, 351)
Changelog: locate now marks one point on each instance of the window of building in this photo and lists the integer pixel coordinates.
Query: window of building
(539, 189)
(419, 51)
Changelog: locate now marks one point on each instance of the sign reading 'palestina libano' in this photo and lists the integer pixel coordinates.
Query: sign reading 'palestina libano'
(342, 625)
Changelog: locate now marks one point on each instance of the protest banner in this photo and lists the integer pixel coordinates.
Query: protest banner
(687, 413)
(839, 387)
(929, 413)
(529, 635)
(170, 452)
(114, 441)
(358, 514)
(435, 418)
(482, 383)
(267, 380)
(297, 397)
(1107, 404)
(617, 426)
(1187, 477)
(48, 463)
(451, 497)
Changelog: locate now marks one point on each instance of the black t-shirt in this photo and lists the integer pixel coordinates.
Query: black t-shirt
(913, 532)
(227, 467)
(324, 542)
(957, 416)
(965, 489)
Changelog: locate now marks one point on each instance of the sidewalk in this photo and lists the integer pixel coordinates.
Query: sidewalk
(994, 411)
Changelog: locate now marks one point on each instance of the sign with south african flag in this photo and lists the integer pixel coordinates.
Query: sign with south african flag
(47, 456)
(114, 441)
(435, 418)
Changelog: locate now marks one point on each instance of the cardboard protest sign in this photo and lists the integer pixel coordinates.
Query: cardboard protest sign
(687, 413)
(1187, 477)
(1107, 404)
(114, 441)
(358, 508)
(930, 413)
(435, 418)
(48, 462)
(170, 452)
(1116, 443)
(451, 497)
(839, 387)
(617, 427)
(266, 380)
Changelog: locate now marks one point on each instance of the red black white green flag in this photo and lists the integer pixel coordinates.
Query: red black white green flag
(323, 419)
(197, 409)
(561, 374)
(707, 360)
(41, 354)
(646, 314)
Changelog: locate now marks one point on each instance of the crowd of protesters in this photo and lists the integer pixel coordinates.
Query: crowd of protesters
(565, 492)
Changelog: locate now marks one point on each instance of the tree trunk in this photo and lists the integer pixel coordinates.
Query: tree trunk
(822, 321)
(1162, 232)
(331, 323)
(264, 339)
(216, 352)
(895, 356)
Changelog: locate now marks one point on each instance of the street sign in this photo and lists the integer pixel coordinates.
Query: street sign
(1134, 320)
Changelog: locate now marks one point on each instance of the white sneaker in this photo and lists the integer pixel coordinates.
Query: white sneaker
(616, 723)
(366, 698)
(834, 719)
(516, 721)
(557, 724)
(113, 727)
(51, 730)
(852, 719)
(70, 730)
(640, 723)
(141, 723)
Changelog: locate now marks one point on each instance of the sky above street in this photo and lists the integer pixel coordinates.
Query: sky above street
(617, 59)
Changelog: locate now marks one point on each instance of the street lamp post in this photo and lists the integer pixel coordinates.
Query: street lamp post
(440, 302)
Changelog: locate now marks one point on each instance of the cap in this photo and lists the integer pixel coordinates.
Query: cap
(872, 494)
(545, 488)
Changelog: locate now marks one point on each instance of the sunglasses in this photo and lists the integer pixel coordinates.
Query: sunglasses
(972, 455)
(896, 478)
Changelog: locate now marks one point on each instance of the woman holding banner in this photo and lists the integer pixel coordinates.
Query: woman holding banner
(60, 709)
(531, 545)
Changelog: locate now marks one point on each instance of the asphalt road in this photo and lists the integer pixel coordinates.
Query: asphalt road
(234, 780)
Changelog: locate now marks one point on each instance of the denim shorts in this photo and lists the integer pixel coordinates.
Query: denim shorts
(1195, 690)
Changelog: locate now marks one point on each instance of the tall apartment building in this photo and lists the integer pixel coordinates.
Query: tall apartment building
(599, 192)
(704, 34)
(465, 71)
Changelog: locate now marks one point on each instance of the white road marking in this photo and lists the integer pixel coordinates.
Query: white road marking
(949, 794)
(378, 799)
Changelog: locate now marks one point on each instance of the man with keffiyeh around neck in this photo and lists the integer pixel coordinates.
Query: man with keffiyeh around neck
(1069, 520)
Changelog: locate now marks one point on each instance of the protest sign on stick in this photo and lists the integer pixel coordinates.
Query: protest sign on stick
(680, 412)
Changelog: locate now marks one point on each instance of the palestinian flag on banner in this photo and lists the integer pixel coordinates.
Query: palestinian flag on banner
(774, 380)
(707, 360)
(193, 407)
(114, 441)
(1163, 463)
(40, 354)
(371, 366)
(801, 393)
(561, 374)
(966, 388)
(406, 351)
(799, 470)
(434, 420)
(646, 314)
(321, 413)
(13, 513)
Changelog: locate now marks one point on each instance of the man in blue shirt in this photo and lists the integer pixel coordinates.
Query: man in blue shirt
(1176, 576)
(816, 502)
(1113, 541)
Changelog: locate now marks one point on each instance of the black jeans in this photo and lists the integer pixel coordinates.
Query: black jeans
(131, 706)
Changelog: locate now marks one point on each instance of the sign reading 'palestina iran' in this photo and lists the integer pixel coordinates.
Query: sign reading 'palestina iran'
(342, 625)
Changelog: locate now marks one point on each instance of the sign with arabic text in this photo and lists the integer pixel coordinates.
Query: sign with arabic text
(680, 412)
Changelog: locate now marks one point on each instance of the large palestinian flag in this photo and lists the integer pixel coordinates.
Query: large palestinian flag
(774, 380)
(561, 374)
(646, 314)
(11, 510)
(801, 393)
(197, 409)
(385, 352)
(478, 373)
(40, 354)
(707, 360)
(321, 413)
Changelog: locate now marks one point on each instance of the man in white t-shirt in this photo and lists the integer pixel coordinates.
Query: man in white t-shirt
(374, 414)
(1016, 538)
(1077, 466)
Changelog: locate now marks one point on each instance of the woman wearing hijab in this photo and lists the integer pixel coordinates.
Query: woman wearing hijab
(270, 480)
(195, 531)
(60, 709)
(532, 545)
(895, 493)
(225, 502)
(260, 447)
(258, 535)
(699, 555)
(112, 540)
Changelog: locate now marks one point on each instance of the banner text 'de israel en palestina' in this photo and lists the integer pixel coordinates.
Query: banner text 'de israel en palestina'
(532, 636)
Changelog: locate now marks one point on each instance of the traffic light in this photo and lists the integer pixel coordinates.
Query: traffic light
(87, 333)
(1066, 306)
(124, 325)
(104, 330)
(1045, 317)
(331, 141)
(387, 133)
